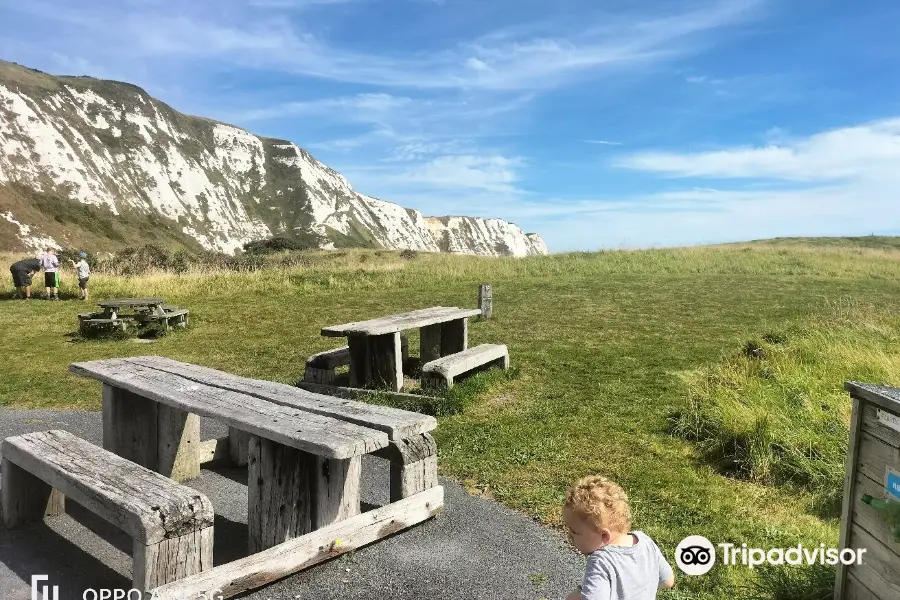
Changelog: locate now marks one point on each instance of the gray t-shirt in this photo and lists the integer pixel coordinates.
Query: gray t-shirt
(626, 572)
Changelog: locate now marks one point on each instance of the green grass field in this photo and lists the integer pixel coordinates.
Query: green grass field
(633, 364)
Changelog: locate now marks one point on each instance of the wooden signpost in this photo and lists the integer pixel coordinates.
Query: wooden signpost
(486, 300)
(872, 465)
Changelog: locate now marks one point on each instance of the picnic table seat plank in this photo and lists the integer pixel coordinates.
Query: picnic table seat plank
(129, 302)
(146, 505)
(397, 423)
(322, 435)
(441, 372)
(171, 525)
(394, 323)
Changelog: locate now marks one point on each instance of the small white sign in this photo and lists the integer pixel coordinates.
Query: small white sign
(889, 420)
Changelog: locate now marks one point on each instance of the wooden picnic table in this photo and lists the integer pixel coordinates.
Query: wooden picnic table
(303, 449)
(375, 346)
(152, 305)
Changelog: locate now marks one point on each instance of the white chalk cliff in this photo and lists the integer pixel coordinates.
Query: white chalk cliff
(87, 161)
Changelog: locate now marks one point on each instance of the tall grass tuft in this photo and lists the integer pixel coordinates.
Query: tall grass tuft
(775, 412)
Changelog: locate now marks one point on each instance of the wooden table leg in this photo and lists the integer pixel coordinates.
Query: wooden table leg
(413, 465)
(385, 357)
(291, 492)
(430, 343)
(155, 436)
(359, 364)
(454, 336)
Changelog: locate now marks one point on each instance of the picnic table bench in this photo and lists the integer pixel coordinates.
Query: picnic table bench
(171, 525)
(303, 449)
(374, 346)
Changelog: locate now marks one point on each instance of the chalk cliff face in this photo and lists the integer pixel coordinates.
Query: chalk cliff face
(92, 162)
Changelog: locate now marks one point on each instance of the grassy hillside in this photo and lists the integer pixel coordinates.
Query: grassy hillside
(877, 242)
(656, 368)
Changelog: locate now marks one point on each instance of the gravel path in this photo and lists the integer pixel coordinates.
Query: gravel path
(475, 549)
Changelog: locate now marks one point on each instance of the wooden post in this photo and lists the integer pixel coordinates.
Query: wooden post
(292, 492)
(485, 300)
(179, 443)
(413, 465)
(153, 435)
(430, 343)
(24, 498)
(238, 446)
(171, 559)
(359, 365)
(130, 426)
(386, 361)
(454, 336)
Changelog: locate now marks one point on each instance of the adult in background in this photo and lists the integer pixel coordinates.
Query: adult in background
(21, 274)
(50, 264)
(84, 272)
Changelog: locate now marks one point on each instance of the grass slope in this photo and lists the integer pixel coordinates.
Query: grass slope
(606, 346)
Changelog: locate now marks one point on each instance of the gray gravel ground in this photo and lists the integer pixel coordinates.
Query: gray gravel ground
(475, 549)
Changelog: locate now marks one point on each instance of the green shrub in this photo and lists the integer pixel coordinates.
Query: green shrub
(275, 244)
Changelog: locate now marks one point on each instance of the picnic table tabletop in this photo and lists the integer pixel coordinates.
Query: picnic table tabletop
(400, 322)
(123, 302)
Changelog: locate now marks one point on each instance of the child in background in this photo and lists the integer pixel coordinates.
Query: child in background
(84, 272)
(50, 265)
(622, 564)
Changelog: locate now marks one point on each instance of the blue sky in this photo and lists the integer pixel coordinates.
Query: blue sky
(599, 124)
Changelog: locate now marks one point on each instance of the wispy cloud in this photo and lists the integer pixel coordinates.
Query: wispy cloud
(866, 151)
(532, 58)
(602, 142)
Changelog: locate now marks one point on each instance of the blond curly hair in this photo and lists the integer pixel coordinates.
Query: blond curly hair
(600, 501)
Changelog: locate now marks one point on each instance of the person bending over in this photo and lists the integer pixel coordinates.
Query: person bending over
(21, 274)
(622, 564)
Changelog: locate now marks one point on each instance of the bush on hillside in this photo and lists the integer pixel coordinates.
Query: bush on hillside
(275, 244)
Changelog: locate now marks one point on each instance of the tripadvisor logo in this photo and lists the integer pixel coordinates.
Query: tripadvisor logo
(696, 555)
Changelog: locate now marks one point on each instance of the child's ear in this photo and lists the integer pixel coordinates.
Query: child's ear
(605, 535)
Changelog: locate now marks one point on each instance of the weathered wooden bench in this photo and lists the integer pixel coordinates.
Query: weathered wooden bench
(320, 367)
(171, 524)
(303, 449)
(177, 317)
(86, 325)
(441, 373)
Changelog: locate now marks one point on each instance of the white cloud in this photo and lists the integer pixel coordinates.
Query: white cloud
(863, 152)
(602, 142)
(535, 57)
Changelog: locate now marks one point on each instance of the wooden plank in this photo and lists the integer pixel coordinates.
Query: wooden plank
(879, 566)
(397, 423)
(454, 336)
(300, 553)
(486, 300)
(217, 449)
(866, 517)
(335, 490)
(874, 455)
(386, 362)
(358, 393)
(238, 446)
(467, 360)
(359, 360)
(25, 498)
(279, 494)
(849, 491)
(127, 302)
(430, 343)
(146, 505)
(178, 443)
(874, 427)
(394, 323)
(857, 591)
(882, 396)
(329, 359)
(304, 430)
(171, 559)
(130, 424)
